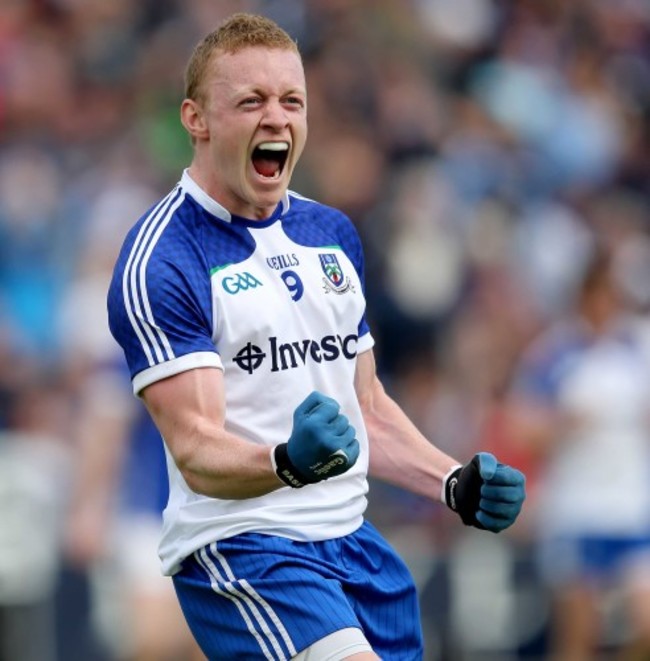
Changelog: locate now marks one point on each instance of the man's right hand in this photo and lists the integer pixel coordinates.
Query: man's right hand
(322, 443)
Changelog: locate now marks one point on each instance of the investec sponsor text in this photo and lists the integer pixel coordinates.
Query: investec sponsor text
(290, 355)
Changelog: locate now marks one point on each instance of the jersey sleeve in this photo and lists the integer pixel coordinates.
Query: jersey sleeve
(160, 311)
(351, 244)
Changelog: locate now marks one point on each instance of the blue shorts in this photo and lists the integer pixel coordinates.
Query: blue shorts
(596, 560)
(262, 597)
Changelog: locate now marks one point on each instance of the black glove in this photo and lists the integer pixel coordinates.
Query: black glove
(485, 494)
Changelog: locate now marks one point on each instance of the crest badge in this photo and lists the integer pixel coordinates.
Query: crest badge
(335, 280)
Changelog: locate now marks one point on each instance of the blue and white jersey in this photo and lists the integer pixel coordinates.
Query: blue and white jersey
(597, 479)
(279, 306)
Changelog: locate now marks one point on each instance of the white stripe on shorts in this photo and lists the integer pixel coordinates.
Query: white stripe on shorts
(225, 587)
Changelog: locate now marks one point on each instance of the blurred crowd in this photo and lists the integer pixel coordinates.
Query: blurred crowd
(493, 156)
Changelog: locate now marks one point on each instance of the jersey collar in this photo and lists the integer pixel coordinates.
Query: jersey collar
(211, 205)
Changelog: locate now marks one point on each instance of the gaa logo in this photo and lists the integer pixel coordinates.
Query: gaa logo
(240, 282)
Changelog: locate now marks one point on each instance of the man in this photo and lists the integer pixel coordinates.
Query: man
(580, 402)
(240, 309)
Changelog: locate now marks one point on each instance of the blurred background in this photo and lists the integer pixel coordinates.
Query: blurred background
(495, 158)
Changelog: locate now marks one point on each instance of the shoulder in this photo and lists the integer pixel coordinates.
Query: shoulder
(166, 240)
(160, 225)
(314, 223)
(299, 204)
(179, 234)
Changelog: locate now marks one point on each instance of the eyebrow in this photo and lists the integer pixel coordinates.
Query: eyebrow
(256, 89)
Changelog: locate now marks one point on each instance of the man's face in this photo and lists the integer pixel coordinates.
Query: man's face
(255, 111)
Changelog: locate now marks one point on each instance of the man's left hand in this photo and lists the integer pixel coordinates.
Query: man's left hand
(484, 493)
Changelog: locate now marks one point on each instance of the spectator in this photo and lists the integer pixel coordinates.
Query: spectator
(581, 400)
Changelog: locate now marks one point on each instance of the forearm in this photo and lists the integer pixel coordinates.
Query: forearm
(483, 492)
(219, 464)
(399, 453)
(189, 411)
(102, 437)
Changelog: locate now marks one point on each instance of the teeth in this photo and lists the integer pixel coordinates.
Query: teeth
(274, 146)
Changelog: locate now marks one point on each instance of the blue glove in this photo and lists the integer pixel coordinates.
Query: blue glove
(484, 493)
(322, 443)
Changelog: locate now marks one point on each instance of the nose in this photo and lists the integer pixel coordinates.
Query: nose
(275, 116)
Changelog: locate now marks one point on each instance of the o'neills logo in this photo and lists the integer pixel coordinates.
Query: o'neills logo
(283, 356)
(339, 459)
(453, 483)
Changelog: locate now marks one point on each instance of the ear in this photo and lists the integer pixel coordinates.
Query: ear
(193, 119)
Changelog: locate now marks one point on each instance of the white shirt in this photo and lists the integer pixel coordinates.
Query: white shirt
(278, 305)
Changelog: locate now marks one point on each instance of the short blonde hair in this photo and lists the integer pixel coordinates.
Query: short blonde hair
(235, 33)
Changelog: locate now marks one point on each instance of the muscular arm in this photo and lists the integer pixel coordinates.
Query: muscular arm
(399, 453)
(189, 410)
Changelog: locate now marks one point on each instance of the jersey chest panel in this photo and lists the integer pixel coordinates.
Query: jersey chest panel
(286, 311)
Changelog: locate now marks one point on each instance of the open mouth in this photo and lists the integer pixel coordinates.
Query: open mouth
(269, 159)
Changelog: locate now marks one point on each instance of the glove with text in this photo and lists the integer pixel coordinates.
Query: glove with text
(484, 493)
(322, 444)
